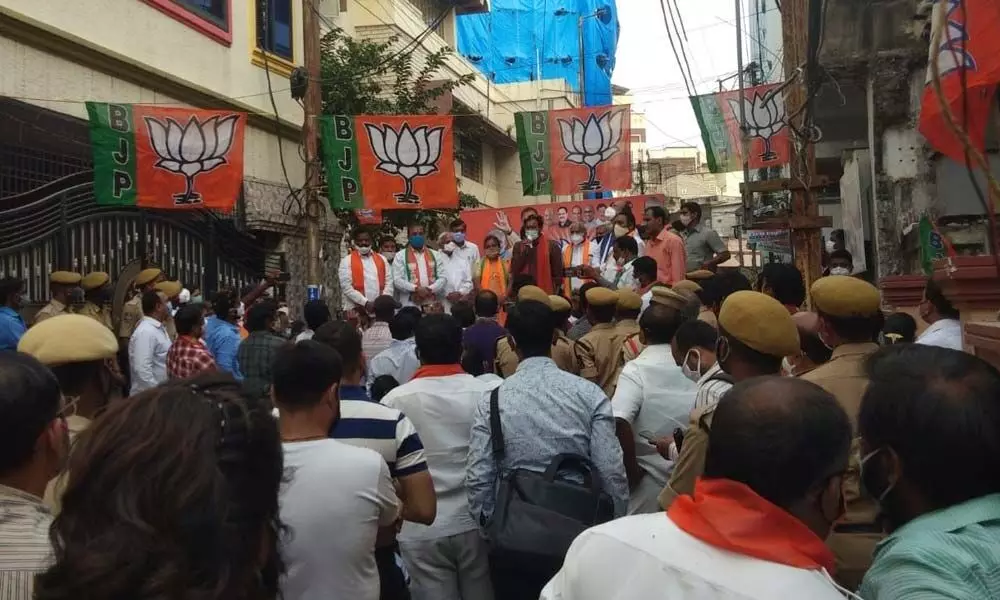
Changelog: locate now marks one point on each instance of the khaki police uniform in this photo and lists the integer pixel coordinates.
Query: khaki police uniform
(70, 339)
(760, 322)
(598, 356)
(55, 307)
(854, 538)
(132, 310)
(562, 346)
(506, 358)
(90, 282)
(169, 290)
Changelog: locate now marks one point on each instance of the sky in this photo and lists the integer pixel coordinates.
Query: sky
(646, 64)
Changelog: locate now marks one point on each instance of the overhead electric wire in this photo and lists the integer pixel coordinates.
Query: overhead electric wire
(673, 47)
(680, 42)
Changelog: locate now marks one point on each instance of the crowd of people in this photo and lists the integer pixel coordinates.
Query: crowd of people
(610, 417)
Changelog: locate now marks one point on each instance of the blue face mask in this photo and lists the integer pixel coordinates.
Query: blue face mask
(417, 241)
(458, 237)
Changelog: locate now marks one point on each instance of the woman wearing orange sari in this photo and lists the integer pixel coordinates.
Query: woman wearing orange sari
(492, 272)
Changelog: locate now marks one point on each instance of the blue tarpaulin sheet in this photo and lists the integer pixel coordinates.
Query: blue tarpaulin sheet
(524, 40)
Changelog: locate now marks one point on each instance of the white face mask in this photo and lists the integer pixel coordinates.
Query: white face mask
(620, 231)
(364, 250)
(576, 238)
(450, 247)
(692, 374)
(389, 256)
(830, 247)
(686, 220)
(787, 368)
(840, 271)
(531, 234)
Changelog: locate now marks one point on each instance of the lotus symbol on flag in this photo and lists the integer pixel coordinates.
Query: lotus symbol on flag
(191, 150)
(765, 117)
(409, 153)
(592, 142)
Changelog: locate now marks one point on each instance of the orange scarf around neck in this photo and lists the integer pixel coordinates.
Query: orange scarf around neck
(437, 371)
(493, 276)
(568, 262)
(543, 265)
(358, 271)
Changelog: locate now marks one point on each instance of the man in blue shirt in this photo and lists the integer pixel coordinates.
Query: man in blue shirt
(930, 442)
(222, 335)
(11, 324)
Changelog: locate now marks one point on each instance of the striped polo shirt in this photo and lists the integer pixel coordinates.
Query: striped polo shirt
(25, 550)
(385, 430)
(711, 387)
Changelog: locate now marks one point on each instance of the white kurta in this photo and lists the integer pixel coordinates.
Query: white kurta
(577, 259)
(457, 277)
(404, 285)
(352, 298)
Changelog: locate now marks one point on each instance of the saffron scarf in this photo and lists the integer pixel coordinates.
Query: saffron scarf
(729, 515)
(358, 271)
(568, 262)
(412, 272)
(543, 265)
(437, 371)
(493, 276)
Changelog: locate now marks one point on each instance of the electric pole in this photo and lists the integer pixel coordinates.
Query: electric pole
(312, 106)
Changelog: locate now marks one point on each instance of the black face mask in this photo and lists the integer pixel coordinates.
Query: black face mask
(875, 482)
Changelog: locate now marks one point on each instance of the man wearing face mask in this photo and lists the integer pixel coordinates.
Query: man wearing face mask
(171, 291)
(538, 256)
(940, 501)
(97, 293)
(841, 263)
(456, 270)
(33, 449)
(705, 249)
(624, 224)
(754, 525)
(416, 271)
(850, 318)
(464, 249)
(387, 248)
(62, 285)
(755, 333)
(578, 257)
(364, 275)
(82, 354)
(945, 326)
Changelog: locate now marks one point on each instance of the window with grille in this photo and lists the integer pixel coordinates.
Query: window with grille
(274, 27)
(470, 157)
(431, 11)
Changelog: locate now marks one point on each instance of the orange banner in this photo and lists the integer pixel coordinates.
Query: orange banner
(590, 149)
(406, 162)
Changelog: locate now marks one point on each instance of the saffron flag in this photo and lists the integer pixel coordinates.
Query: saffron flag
(767, 132)
(172, 158)
(574, 150)
(386, 162)
(969, 44)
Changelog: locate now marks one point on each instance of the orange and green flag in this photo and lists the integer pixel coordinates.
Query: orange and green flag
(389, 162)
(575, 150)
(168, 158)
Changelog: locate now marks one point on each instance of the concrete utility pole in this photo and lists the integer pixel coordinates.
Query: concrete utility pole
(312, 105)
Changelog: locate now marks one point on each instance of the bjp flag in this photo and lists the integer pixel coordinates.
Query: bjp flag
(389, 162)
(969, 43)
(168, 158)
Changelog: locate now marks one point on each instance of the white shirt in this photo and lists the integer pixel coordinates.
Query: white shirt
(457, 276)
(646, 299)
(399, 360)
(578, 259)
(946, 333)
(404, 285)
(647, 556)
(443, 410)
(468, 251)
(654, 397)
(336, 500)
(376, 339)
(147, 355)
(625, 277)
(638, 242)
(307, 334)
(352, 298)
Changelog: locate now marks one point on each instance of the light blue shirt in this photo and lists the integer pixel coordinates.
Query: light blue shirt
(223, 340)
(952, 553)
(147, 355)
(11, 328)
(399, 360)
(544, 412)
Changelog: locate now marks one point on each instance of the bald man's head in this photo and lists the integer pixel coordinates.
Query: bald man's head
(780, 436)
(807, 322)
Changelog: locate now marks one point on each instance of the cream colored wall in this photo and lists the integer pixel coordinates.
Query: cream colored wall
(32, 73)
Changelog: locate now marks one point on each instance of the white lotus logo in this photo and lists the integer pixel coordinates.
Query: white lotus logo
(765, 117)
(409, 153)
(591, 143)
(188, 151)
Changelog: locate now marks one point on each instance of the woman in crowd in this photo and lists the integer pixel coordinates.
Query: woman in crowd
(492, 272)
(173, 494)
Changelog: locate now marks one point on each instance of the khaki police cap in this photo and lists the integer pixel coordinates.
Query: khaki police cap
(147, 275)
(533, 292)
(65, 278)
(699, 275)
(845, 296)
(559, 304)
(170, 289)
(760, 322)
(668, 297)
(629, 300)
(686, 285)
(94, 280)
(69, 339)
(602, 296)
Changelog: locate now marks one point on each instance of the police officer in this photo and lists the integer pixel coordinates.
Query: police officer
(755, 333)
(562, 346)
(598, 353)
(507, 359)
(632, 346)
(61, 284)
(96, 293)
(850, 318)
(81, 352)
(170, 291)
